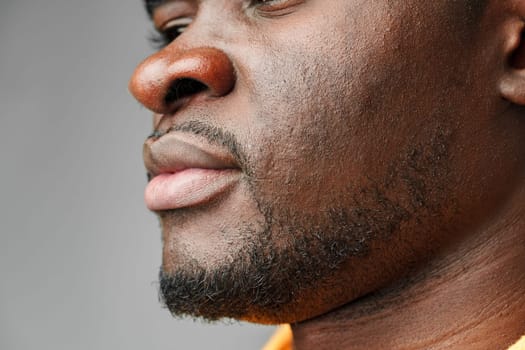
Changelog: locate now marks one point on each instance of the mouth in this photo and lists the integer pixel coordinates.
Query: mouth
(185, 171)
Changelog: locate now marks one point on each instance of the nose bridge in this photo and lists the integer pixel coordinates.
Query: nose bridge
(181, 71)
(221, 18)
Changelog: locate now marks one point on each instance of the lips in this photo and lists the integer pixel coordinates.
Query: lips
(186, 171)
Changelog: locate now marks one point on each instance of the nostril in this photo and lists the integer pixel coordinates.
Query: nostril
(183, 87)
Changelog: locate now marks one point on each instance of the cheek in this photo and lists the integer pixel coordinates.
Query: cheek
(349, 100)
(315, 138)
(305, 140)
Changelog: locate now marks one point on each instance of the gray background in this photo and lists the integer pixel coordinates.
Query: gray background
(79, 253)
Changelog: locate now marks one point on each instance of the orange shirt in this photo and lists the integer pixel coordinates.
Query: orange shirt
(282, 340)
(520, 345)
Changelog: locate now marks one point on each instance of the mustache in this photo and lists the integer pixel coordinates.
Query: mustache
(213, 135)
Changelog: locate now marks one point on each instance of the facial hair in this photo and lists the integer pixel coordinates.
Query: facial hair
(266, 274)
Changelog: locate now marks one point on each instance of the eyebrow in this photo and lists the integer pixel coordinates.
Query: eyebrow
(151, 5)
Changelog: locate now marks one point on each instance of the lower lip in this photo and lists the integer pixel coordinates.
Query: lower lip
(188, 188)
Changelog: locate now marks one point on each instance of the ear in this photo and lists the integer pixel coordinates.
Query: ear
(512, 84)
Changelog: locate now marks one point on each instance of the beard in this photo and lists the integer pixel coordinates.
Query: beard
(290, 252)
(265, 276)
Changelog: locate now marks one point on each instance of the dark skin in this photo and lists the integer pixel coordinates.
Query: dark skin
(385, 138)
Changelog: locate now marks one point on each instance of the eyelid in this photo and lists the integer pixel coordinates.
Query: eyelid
(177, 22)
(278, 8)
(172, 10)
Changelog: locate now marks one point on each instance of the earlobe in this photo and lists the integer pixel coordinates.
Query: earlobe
(512, 87)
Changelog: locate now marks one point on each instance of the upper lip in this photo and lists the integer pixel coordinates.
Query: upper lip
(176, 151)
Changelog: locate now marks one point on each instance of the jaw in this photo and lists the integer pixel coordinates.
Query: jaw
(469, 290)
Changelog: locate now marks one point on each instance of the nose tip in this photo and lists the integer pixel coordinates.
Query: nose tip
(166, 77)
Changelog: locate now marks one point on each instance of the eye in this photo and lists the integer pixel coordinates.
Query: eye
(276, 7)
(169, 32)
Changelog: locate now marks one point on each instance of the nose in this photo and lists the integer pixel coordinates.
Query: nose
(168, 78)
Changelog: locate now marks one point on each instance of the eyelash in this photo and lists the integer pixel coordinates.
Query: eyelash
(163, 37)
(158, 40)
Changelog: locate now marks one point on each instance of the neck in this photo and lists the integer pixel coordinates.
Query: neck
(469, 297)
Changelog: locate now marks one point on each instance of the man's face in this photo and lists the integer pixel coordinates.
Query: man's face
(339, 134)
